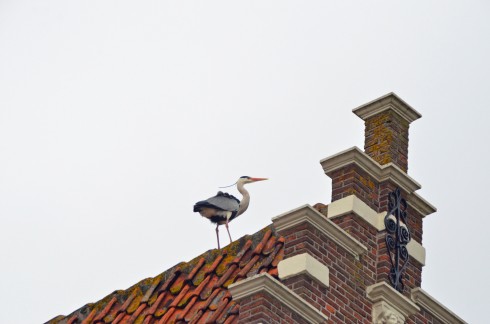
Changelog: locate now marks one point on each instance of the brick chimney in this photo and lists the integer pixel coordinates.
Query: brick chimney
(372, 174)
(387, 120)
(362, 182)
(337, 265)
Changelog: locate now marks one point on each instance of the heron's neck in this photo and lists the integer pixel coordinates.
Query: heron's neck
(245, 198)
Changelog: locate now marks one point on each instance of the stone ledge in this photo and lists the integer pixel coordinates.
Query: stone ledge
(304, 264)
(353, 205)
(420, 204)
(379, 172)
(438, 310)
(416, 251)
(308, 214)
(388, 101)
(387, 300)
(266, 283)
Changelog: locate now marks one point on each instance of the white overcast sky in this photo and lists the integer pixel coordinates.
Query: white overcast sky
(117, 116)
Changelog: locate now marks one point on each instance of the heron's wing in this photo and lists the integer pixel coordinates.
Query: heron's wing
(221, 201)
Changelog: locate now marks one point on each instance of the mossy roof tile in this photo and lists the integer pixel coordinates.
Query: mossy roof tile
(192, 292)
(196, 269)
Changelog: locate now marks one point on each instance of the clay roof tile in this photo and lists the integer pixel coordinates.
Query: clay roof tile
(118, 318)
(106, 309)
(196, 269)
(149, 292)
(89, 318)
(191, 292)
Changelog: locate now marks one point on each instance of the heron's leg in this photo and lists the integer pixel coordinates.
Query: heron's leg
(226, 225)
(217, 235)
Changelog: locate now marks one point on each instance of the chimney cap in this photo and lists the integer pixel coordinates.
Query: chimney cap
(386, 102)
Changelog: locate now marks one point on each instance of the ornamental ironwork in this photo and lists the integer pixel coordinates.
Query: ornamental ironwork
(397, 238)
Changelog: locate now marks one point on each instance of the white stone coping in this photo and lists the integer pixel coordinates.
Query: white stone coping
(352, 204)
(381, 292)
(304, 264)
(379, 172)
(434, 307)
(416, 251)
(266, 283)
(308, 214)
(388, 101)
(420, 204)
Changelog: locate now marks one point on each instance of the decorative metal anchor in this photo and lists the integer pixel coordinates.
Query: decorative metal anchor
(397, 237)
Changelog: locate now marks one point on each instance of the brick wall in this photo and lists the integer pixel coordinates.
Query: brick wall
(352, 180)
(343, 301)
(264, 308)
(386, 139)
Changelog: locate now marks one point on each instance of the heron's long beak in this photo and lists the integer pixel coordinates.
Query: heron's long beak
(258, 179)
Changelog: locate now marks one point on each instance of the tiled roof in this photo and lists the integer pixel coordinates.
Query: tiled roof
(192, 292)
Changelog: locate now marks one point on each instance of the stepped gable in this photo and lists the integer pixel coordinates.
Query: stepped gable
(192, 292)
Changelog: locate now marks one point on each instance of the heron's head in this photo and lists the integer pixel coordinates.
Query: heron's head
(247, 179)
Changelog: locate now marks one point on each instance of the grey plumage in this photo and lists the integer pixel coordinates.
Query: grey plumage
(221, 202)
(223, 207)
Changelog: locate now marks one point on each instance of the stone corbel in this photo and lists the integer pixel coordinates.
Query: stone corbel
(389, 306)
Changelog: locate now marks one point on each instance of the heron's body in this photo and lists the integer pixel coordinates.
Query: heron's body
(223, 208)
(219, 208)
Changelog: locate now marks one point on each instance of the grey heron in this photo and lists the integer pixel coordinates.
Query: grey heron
(223, 208)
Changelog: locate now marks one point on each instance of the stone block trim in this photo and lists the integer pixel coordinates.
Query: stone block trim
(353, 205)
(421, 205)
(389, 101)
(367, 226)
(304, 264)
(307, 231)
(308, 215)
(387, 301)
(262, 294)
(354, 172)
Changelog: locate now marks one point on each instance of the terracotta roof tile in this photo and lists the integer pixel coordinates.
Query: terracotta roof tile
(231, 319)
(148, 294)
(90, 316)
(166, 317)
(155, 305)
(137, 313)
(147, 320)
(274, 272)
(72, 319)
(118, 318)
(135, 303)
(106, 310)
(121, 318)
(188, 307)
(192, 292)
(196, 269)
